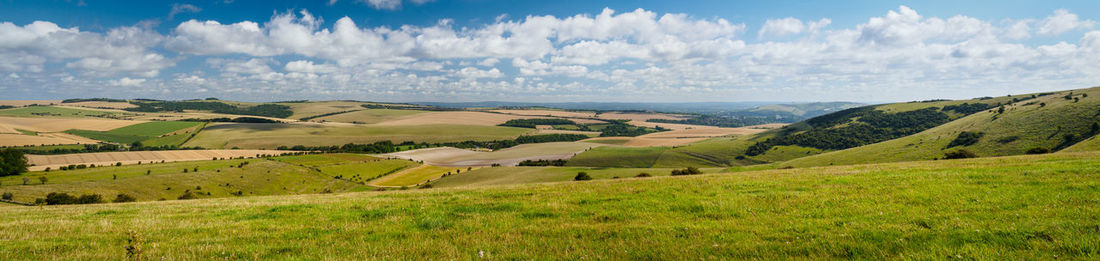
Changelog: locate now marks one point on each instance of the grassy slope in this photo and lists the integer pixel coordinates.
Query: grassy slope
(622, 157)
(415, 176)
(1091, 144)
(259, 177)
(714, 152)
(308, 109)
(1027, 207)
(1033, 125)
(267, 135)
(521, 175)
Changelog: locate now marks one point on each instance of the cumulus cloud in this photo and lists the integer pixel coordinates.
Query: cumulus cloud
(127, 82)
(634, 55)
(386, 4)
(1062, 21)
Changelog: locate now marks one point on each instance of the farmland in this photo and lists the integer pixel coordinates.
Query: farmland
(137, 132)
(918, 210)
(255, 135)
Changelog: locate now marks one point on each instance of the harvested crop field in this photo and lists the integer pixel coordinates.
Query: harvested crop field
(682, 136)
(454, 117)
(369, 116)
(15, 140)
(640, 116)
(554, 113)
(448, 156)
(21, 103)
(61, 124)
(102, 105)
(269, 136)
(553, 131)
(133, 157)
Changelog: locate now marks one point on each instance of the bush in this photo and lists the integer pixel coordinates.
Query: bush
(1038, 150)
(582, 176)
(89, 199)
(643, 175)
(187, 195)
(6, 196)
(966, 138)
(960, 154)
(124, 198)
(686, 171)
(56, 198)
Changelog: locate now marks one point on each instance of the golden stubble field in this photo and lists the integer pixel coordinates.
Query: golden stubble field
(41, 162)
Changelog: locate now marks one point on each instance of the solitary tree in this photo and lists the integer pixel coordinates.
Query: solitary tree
(25, 180)
(43, 179)
(582, 176)
(12, 162)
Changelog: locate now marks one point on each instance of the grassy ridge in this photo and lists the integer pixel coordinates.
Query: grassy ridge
(1037, 123)
(1027, 207)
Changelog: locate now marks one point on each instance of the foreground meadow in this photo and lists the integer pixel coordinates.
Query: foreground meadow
(1024, 207)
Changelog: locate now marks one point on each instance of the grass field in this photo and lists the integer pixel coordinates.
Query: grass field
(267, 135)
(524, 175)
(139, 132)
(367, 170)
(40, 162)
(315, 160)
(622, 157)
(1024, 207)
(414, 176)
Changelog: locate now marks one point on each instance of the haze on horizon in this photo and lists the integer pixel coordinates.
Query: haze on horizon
(615, 51)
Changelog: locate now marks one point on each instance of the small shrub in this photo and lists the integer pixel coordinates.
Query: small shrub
(124, 198)
(643, 175)
(6, 196)
(966, 138)
(582, 176)
(1038, 150)
(186, 195)
(960, 154)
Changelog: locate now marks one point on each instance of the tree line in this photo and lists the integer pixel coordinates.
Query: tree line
(267, 110)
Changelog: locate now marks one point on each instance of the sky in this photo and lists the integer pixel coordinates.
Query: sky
(546, 51)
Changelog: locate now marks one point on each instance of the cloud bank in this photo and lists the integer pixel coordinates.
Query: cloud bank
(637, 55)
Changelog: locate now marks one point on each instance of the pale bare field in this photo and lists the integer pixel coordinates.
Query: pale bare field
(553, 131)
(454, 157)
(62, 124)
(15, 140)
(454, 117)
(102, 105)
(133, 157)
(640, 116)
(567, 114)
(671, 126)
(679, 137)
(21, 103)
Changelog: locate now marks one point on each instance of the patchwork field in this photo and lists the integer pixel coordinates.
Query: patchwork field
(369, 116)
(59, 125)
(454, 117)
(137, 132)
(554, 113)
(269, 136)
(447, 156)
(18, 140)
(66, 112)
(41, 162)
(101, 105)
(1023, 207)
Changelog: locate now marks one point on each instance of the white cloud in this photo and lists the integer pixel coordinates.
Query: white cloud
(127, 82)
(182, 8)
(636, 55)
(1062, 21)
(308, 67)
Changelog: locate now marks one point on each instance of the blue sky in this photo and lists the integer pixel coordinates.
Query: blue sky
(661, 51)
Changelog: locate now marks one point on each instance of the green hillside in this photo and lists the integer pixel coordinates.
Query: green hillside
(1050, 122)
(1022, 207)
(304, 174)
